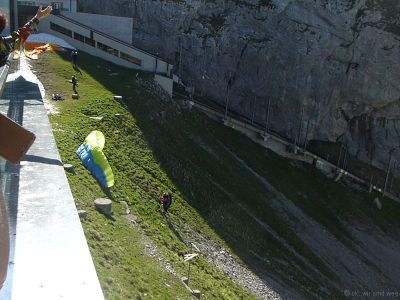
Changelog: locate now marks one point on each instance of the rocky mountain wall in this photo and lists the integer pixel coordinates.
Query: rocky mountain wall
(337, 60)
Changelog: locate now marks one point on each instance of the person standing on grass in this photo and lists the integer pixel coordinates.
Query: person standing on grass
(74, 57)
(166, 201)
(17, 38)
(74, 82)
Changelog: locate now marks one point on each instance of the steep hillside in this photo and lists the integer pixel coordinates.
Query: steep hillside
(302, 234)
(338, 60)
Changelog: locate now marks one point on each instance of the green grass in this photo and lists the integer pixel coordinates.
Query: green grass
(140, 179)
(195, 159)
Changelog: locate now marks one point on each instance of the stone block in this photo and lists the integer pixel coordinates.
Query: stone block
(103, 205)
(197, 294)
(82, 214)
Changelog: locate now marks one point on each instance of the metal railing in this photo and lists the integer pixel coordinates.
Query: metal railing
(237, 119)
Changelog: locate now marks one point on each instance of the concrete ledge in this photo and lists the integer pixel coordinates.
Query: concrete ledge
(49, 255)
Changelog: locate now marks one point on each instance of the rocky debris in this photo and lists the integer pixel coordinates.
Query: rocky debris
(230, 265)
(131, 218)
(97, 118)
(153, 88)
(127, 211)
(150, 248)
(109, 280)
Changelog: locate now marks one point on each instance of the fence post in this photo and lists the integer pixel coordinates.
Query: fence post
(387, 174)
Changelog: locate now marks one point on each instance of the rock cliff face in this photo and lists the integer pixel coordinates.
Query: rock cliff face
(338, 61)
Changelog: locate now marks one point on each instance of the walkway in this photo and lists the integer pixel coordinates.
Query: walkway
(49, 257)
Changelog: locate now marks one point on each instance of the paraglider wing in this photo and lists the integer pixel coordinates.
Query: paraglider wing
(41, 39)
(36, 44)
(95, 139)
(93, 158)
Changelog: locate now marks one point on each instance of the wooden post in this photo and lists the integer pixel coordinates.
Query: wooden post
(393, 172)
(306, 138)
(300, 128)
(370, 185)
(254, 110)
(267, 118)
(227, 97)
(344, 159)
(340, 155)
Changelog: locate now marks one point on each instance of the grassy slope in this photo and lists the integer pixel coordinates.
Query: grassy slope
(190, 156)
(125, 271)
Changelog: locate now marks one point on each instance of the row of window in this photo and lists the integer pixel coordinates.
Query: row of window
(60, 29)
(84, 39)
(92, 42)
(107, 49)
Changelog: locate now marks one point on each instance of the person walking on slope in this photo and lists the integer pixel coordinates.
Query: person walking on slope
(166, 201)
(74, 57)
(74, 82)
(17, 38)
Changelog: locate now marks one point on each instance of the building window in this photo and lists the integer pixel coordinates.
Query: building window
(60, 29)
(107, 49)
(90, 41)
(79, 37)
(130, 58)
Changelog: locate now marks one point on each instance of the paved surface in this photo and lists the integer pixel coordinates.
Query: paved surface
(49, 256)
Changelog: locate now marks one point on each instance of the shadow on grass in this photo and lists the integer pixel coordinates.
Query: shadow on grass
(190, 151)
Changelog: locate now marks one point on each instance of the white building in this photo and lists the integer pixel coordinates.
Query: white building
(107, 37)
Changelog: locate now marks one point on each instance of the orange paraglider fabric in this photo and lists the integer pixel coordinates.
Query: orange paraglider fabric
(33, 50)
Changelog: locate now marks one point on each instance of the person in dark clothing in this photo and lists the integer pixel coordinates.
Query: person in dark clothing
(74, 57)
(17, 38)
(166, 201)
(74, 82)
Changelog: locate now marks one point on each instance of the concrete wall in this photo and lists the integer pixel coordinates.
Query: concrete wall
(118, 27)
(149, 62)
(165, 82)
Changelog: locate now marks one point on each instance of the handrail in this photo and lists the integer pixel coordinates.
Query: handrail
(243, 121)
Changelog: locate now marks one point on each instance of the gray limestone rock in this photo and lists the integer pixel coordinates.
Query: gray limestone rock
(336, 59)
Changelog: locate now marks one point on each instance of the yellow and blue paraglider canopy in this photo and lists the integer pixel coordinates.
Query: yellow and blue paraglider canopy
(93, 158)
